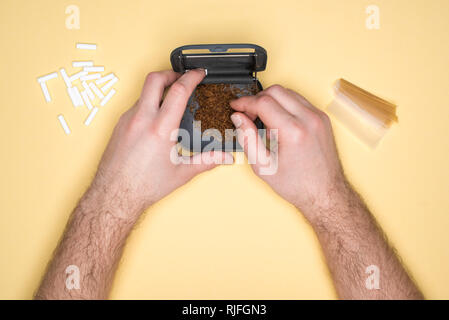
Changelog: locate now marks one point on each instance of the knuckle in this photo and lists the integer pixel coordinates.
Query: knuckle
(297, 132)
(153, 76)
(315, 121)
(156, 129)
(134, 124)
(265, 100)
(276, 88)
(179, 88)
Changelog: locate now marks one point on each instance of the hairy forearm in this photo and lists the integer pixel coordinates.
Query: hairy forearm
(93, 243)
(352, 242)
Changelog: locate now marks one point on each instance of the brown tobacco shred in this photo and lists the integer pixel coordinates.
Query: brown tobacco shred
(214, 110)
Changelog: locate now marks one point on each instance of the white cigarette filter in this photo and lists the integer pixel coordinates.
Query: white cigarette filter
(79, 99)
(75, 96)
(97, 91)
(66, 78)
(91, 116)
(82, 64)
(94, 69)
(108, 85)
(107, 98)
(78, 75)
(72, 96)
(106, 78)
(89, 92)
(92, 76)
(47, 77)
(86, 100)
(86, 46)
(64, 124)
(45, 91)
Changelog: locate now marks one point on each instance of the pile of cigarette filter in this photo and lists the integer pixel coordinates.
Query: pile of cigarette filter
(96, 88)
(367, 116)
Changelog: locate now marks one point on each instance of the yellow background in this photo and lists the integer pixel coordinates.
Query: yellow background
(225, 234)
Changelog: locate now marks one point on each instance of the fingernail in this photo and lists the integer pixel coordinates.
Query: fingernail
(236, 120)
(203, 70)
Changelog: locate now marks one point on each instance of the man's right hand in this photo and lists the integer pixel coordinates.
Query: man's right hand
(309, 170)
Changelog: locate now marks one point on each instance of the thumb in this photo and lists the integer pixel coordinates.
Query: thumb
(192, 166)
(249, 139)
